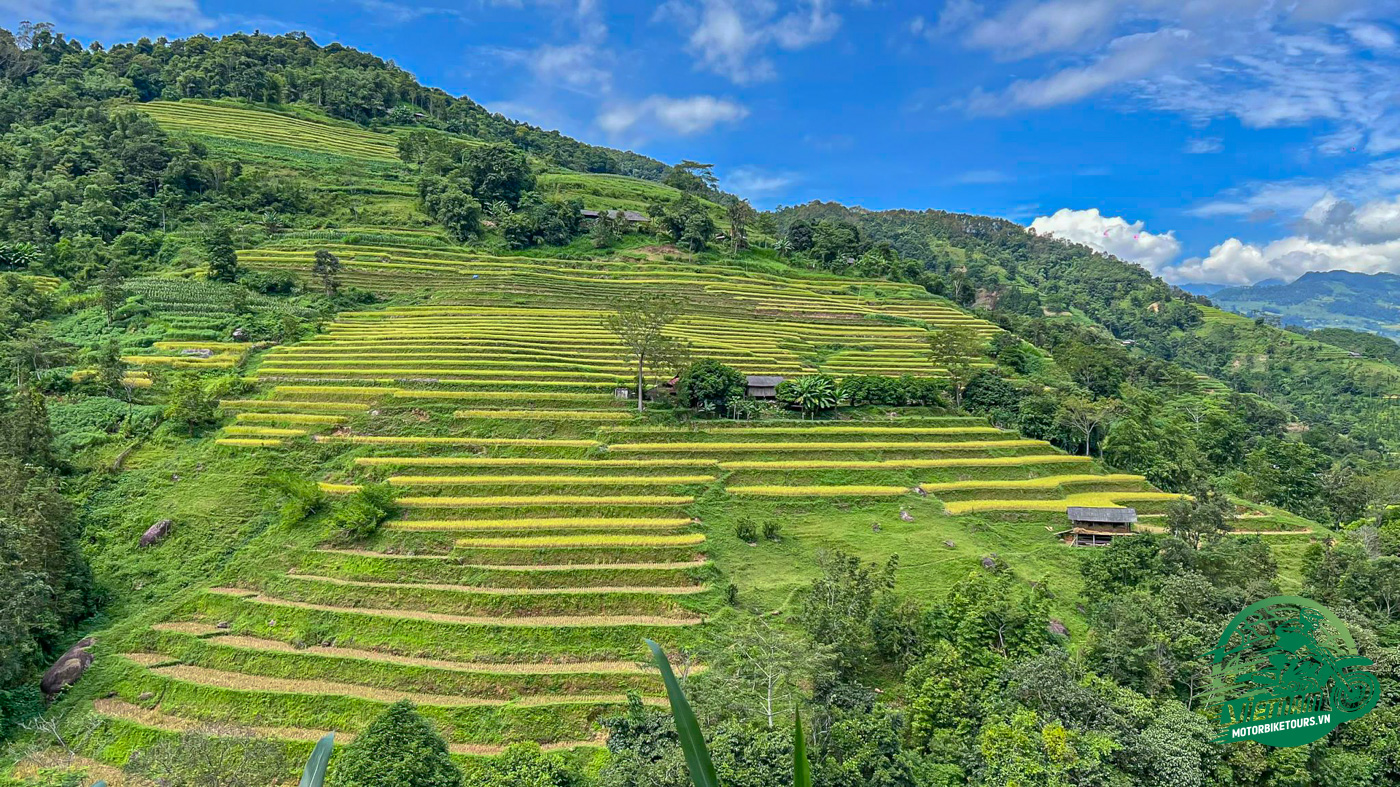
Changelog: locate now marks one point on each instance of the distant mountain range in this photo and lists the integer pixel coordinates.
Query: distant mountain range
(1334, 299)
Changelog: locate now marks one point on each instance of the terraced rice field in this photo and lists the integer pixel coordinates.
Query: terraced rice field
(264, 128)
(544, 529)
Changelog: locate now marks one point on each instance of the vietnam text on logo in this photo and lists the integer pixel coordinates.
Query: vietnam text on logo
(1286, 673)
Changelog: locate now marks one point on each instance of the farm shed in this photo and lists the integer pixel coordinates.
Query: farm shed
(762, 386)
(1096, 527)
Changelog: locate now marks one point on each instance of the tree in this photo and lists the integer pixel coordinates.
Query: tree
(29, 350)
(111, 369)
(111, 295)
(223, 257)
(640, 324)
(1085, 416)
(812, 394)
(326, 267)
(953, 349)
(709, 384)
(1206, 517)
(190, 403)
(498, 172)
(211, 756)
(523, 765)
(398, 749)
(25, 428)
(759, 670)
(740, 213)
(607, 229)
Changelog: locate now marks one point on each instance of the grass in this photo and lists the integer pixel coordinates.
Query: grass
(819, 491)
(1091, 499)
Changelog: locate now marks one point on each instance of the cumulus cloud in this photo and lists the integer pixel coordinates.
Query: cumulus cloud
(690, 115)
(1235, 262)
(732, 38)
(1333, 234)
(1111, 234)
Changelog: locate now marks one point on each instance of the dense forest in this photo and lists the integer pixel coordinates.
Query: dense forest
(1006, 676)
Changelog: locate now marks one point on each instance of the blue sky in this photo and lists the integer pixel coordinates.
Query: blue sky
(1210, 140)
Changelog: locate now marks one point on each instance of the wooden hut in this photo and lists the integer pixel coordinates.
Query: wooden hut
(762, 386)
(1097, 527)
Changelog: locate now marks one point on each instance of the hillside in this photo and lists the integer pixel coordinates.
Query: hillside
(1334, 299)
(349, 374)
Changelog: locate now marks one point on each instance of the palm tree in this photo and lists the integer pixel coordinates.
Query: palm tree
(783, 246)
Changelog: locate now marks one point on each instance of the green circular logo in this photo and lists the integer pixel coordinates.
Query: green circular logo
(1286, 673)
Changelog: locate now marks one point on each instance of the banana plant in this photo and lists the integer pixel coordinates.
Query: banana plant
(697, 754)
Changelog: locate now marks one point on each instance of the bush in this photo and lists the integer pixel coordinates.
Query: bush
(271, 282)
(523, 765)
(745, 530)
(709, 385)
(361, 514)
(773, 530)
(304, 497)
(398, 749)
(905, 391)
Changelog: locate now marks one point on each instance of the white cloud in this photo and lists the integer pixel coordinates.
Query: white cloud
(118, 17)
(1235, 262)
(1330, 63)
(1333, 234)
(690, 115)
(402, 13)
(1372, 36)
(1202, 145)
(1030, 28)
(1125, 58)
(1112, 235)
(580, 67)
(754, 182)
(732, 37)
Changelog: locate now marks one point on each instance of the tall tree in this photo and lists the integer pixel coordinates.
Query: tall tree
(954, 348)
(223, 257)
(112, 293)
(740, 214)
(640, 323)
(1085, 416)
(398, 749)
(326, 267)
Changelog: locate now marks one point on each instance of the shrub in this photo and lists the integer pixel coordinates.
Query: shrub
(773, 530)
(709, 385)
(524, 765)
(745, 530)
(398, 749)
(304, 497)
(361, 514)
(190, 402)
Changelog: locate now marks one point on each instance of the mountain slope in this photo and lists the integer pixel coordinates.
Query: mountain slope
(1334, 299)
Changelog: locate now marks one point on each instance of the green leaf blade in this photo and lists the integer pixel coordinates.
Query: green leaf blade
(697, 756)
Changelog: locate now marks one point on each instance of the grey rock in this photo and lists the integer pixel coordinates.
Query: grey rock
(69, 667)
(157, 532)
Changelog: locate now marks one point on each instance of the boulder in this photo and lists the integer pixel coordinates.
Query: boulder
(156, 532)
(905, 515)
(1057, 628)
(949, 544)
(69, 667)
